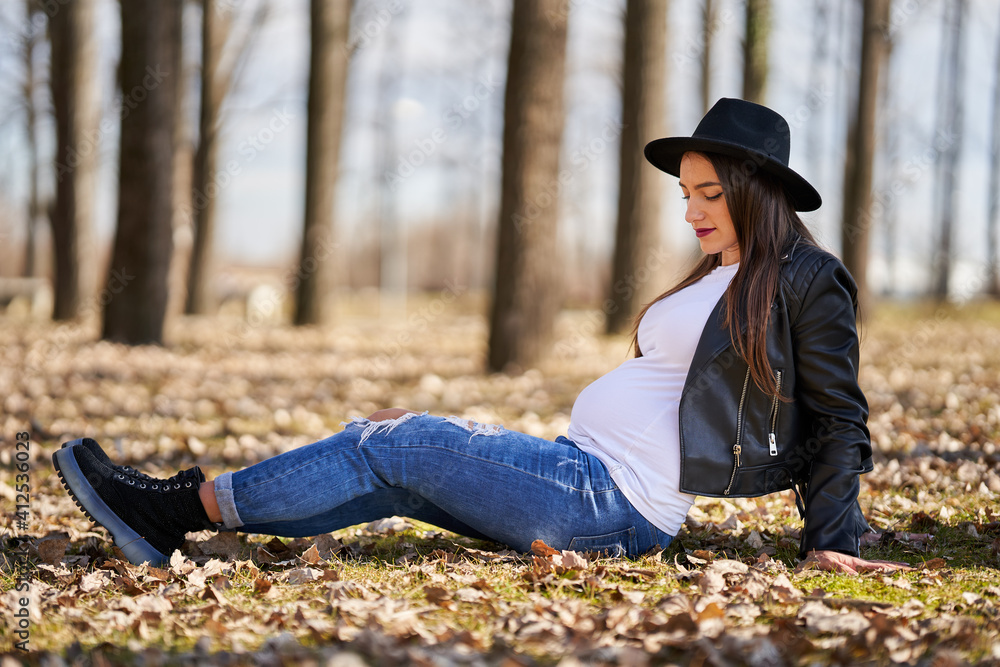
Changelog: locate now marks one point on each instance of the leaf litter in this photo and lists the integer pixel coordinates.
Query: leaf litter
(727, 591)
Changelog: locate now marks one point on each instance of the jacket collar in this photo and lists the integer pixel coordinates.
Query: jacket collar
(715, 336)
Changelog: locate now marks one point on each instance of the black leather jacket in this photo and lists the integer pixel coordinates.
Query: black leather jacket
(737, 441)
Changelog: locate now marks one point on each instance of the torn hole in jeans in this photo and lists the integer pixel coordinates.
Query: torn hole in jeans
(474, 427)
(384, 426)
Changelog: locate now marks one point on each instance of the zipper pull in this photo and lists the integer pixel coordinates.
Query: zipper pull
(736, 466)
(772, 444)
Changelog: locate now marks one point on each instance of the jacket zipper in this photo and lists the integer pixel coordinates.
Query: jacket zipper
(737, 448)
(772, 439)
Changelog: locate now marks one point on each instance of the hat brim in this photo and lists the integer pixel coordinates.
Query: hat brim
(665, 155)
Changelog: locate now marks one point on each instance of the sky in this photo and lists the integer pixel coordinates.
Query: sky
(425, 99)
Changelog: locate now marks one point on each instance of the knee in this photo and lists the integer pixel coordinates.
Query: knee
(389, 413)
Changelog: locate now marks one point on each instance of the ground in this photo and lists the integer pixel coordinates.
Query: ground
(730, 590)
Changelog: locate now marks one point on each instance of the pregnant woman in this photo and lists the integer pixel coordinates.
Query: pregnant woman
(744, 382)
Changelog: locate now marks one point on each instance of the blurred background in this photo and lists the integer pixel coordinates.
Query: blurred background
(265, 157)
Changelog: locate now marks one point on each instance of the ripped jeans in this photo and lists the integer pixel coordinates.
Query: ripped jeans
(476, 480)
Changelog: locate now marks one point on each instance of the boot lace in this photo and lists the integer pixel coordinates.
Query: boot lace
(185, 479)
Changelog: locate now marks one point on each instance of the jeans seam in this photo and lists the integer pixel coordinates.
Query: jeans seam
(248, 486)
(510, 467)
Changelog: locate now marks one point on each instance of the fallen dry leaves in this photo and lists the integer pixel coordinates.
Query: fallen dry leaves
(394, 592)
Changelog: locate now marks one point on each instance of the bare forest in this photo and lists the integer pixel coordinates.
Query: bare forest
(229, 226)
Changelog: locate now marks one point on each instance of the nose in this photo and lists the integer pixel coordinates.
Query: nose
(693, 212)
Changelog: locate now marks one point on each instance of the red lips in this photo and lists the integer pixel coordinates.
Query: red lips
(704, 231)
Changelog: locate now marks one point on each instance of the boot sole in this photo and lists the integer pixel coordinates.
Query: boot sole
(136, 549)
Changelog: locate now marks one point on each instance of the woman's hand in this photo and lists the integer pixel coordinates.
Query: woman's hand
(389, 413)
(834, 561)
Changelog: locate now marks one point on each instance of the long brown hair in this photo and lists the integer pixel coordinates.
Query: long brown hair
(766, 225)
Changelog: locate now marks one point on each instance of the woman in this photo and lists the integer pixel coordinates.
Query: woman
(744, 383)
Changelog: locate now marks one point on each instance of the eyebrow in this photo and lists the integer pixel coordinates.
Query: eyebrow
(703, 185)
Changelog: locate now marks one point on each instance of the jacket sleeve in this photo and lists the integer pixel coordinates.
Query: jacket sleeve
(825, 344)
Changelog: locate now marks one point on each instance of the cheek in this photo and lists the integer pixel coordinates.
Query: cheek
(720, 216)
(730, 230)
(725, 222)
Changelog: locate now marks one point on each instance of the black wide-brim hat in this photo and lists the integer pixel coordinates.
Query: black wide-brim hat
(751, 133)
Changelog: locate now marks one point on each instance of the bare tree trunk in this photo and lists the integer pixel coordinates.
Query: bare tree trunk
(183, 185)
(526, 293)
(329, 27)
(393, 242)
(889, 129)
(818, 84)
(993, 188)
(637, 238)
(205, 190)
(845, 53)
(224, 52)
(755, 50)
(74, 100)
(856, 223)
(950, 123)
(709, 16)
(28, 91)
(150, 76)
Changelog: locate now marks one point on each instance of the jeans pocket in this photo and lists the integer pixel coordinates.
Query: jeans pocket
(619, 543)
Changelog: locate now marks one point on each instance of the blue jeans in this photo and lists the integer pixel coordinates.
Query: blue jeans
(476, 480)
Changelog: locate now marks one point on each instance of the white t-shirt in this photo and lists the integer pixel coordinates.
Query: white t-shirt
(629, 418)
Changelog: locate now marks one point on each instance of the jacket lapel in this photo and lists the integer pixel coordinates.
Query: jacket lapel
(714, 339)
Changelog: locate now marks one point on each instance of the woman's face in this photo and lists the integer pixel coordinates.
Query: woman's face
(707, 211)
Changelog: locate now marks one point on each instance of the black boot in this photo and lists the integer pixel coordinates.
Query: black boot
(128, 471)
(147, 518)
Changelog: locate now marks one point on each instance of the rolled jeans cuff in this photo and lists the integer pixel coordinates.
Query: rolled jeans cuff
(227, 504)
